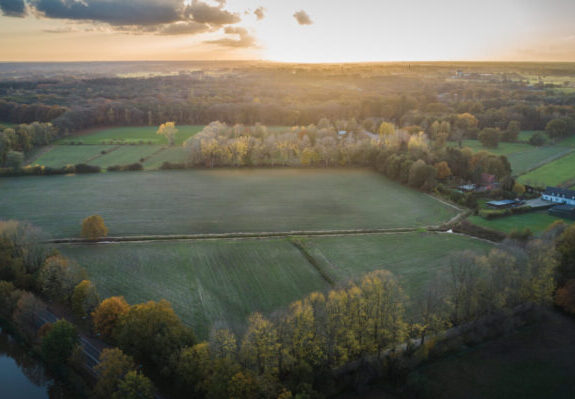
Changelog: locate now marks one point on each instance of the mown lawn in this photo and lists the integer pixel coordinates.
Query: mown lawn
(538, 361)
(168, 154)
(62, 155)
(535, 221)
(524, 161)
(210, 283)
(126, 154)
(553, 173)
(132, 134)
(219, 201)
(414, 258)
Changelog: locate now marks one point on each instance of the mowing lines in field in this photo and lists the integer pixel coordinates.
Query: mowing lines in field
(210, 283)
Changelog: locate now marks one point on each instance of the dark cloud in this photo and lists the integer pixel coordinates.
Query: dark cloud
(113, 12)
(260, 13)
(13, 8)
(213, 15)
(302, 18)
(163, 17)
(244, 38)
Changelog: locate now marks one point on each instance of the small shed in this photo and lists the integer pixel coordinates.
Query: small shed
(503, 204)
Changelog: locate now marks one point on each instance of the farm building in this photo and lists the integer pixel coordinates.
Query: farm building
(559, 195)
(504, 204)
(563, 211)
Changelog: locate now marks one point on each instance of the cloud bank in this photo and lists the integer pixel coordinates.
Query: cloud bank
(302, 18)
(163, 17)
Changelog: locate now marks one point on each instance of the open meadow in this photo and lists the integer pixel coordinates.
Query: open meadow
(414, 257)
(537, 222)
(132, 134)
(220, 282)
(555, 173)
(219, 201)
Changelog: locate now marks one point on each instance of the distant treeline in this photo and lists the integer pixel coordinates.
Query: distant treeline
(285, 95)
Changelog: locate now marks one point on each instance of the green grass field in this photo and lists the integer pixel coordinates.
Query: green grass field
(220, 282)
(552, 174)
(62, 155)
(535, 221)
(126, 154)
(168, 154)
(219, 201)
(538, 361)
(414, 258)
(570, 141)
(210, 283)
(524, 161)
(132, 135)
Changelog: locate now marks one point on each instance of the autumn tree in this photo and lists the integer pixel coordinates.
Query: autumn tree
(519, 189)
(112, 368)
(443, 170)
(260, 346)
(512, 132)
(134, 385)
(386, 129)
(60, 342)
(169, 131)
(152, 332)
(565, 297)
(58, 277)
(107, 314)
(489, 137)
(84, 298)
(557, 128)
(26, 313)
(93, 227)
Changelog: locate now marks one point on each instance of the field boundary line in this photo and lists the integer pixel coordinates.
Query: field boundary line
(283, 234)
(100, 155)
(301, 247)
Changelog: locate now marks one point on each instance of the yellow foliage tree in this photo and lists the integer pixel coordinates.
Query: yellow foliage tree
(107, 314)
(519, 189)
(443, 170)
(93, 227)
(169, 131)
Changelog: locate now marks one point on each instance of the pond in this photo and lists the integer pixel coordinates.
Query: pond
(21, 375)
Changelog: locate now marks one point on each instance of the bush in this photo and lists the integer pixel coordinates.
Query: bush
(123, 168)
(169, 166)
(84, 168)
(538, 139)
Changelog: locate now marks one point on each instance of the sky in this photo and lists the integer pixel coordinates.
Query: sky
(287, 31)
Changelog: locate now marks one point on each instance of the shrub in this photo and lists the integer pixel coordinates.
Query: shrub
(93, 227)
(84, 168)
(538, 139)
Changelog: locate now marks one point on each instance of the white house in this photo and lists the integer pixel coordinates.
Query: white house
(559, 195)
